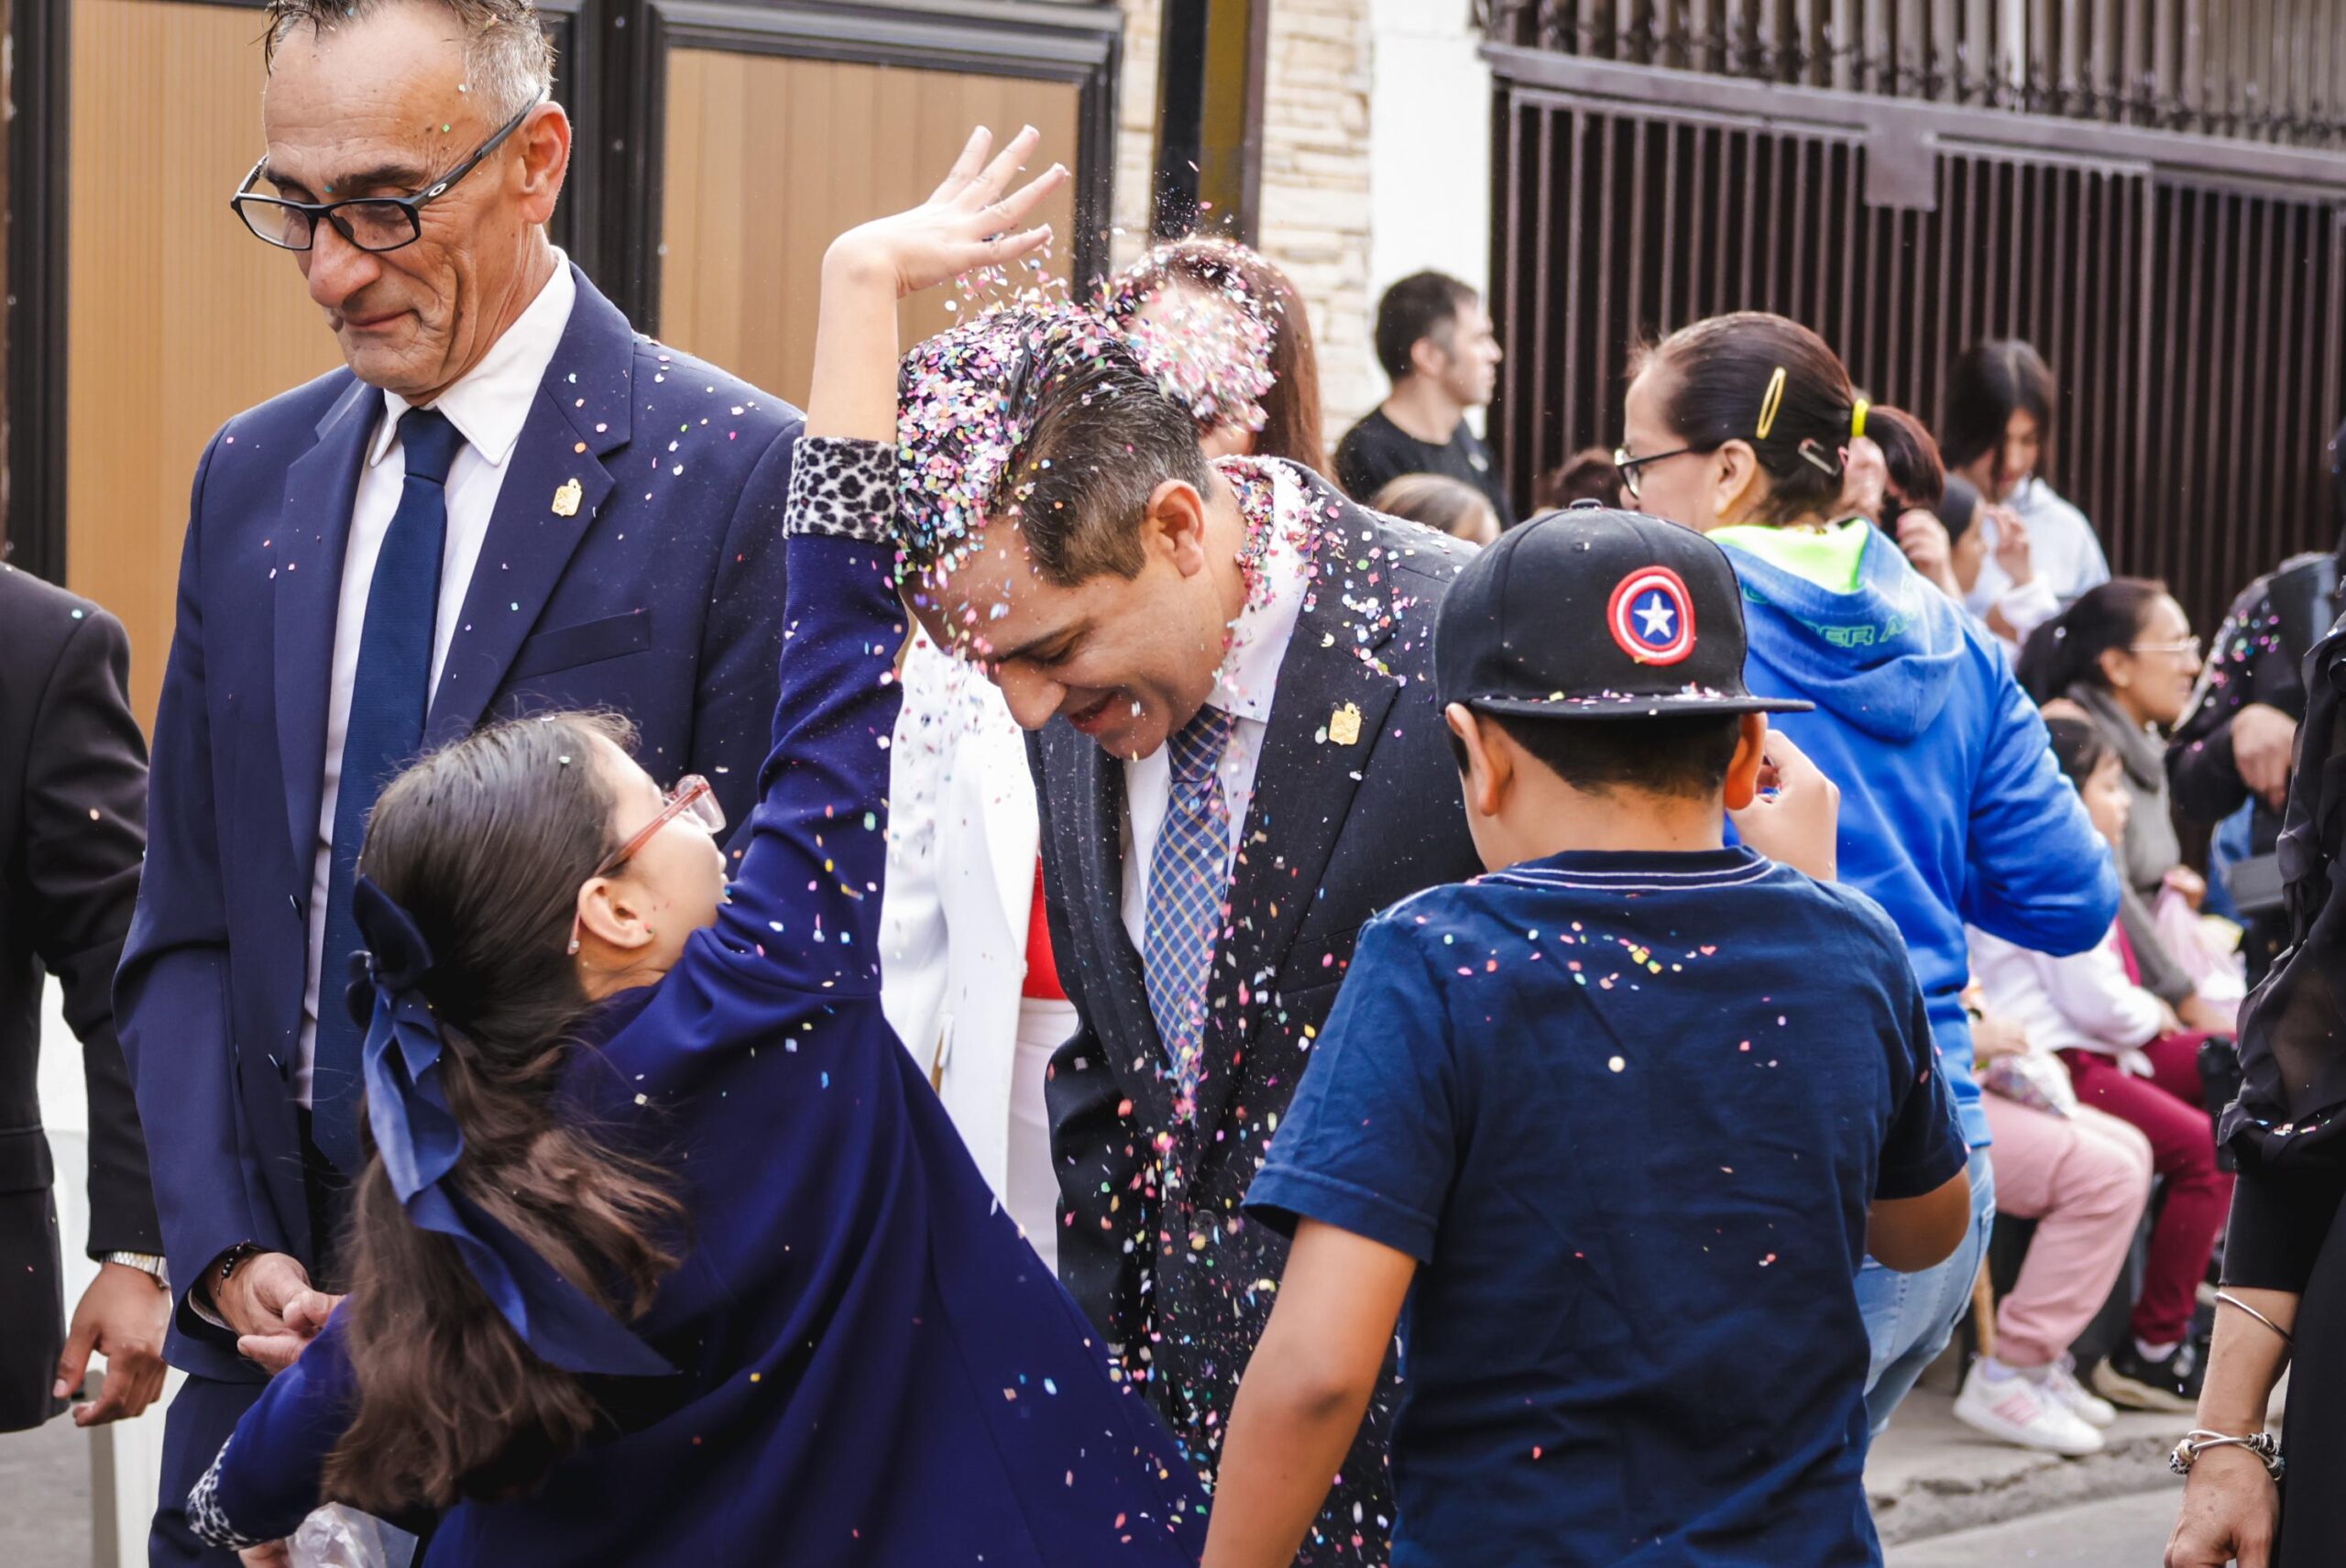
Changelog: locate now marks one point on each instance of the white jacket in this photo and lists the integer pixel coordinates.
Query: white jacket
(2084, 1002)
(963, 841)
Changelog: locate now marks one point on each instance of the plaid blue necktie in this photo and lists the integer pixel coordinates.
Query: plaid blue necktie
(1188, 873)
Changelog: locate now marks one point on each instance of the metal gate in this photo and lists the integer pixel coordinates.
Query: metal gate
(2191, 307)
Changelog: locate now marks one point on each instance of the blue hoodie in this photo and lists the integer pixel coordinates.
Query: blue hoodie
(1952, 809)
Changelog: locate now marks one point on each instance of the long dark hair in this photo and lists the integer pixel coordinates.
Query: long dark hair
(1717, 379)
(1989, 383)
(2067, 650)
(1291, 408)
(485, 844)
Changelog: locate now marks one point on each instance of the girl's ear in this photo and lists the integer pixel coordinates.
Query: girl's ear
(2115, 670)
(609, 914)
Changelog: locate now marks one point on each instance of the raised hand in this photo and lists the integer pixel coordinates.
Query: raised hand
(1796, 819)
(1923, 539)
(2013, 552)
(969, 221)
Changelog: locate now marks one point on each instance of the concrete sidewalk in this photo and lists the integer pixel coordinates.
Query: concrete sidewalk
(1929, 1474)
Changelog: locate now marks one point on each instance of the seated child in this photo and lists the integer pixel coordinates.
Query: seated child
(1617, 1122)
(2130, 1056)
(2083, 1176)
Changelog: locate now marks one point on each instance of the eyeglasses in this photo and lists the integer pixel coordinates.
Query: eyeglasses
(2191, 645)
(693, 796)
(1627, 467)
(371, 223)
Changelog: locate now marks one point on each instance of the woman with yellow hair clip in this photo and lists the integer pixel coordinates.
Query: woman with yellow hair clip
(1952, 808)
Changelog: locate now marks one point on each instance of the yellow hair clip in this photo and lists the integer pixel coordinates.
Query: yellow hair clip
(1770, 401)
(1858, 419)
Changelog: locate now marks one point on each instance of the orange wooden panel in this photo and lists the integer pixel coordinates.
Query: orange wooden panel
(177, 316)
(768, 157)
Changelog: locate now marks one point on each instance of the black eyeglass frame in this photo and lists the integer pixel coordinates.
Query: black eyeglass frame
(1627, 466)
(412, 206)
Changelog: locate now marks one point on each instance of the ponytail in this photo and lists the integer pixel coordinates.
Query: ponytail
(452, 1404)
(1917, 479)
(2066, 651)
(1771, 383)
(483, 845)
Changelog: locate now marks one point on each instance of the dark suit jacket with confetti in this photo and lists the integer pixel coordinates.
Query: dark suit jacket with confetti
(1153, 1243)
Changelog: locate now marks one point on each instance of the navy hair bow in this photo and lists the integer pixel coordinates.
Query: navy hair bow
(420, 1141)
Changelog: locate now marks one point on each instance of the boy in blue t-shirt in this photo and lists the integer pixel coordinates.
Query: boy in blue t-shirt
(1617, 1122)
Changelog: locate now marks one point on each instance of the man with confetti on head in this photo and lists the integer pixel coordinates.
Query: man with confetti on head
(1238, 761)
(506, 501)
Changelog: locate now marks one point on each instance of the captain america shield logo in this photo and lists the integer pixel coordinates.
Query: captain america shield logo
(1652, 617)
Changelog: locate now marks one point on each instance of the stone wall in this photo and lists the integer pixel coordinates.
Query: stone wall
(1351, 199)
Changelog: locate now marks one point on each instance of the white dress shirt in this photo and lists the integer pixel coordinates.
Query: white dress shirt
(2083, 1003)
(2063, 551)
(488, 408)
(1242, 688)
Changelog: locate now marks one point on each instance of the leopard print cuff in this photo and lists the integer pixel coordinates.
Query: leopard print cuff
(843, 488)
(203, 1513)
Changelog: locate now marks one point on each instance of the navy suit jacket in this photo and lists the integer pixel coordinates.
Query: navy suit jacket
(661, 597)
(1347, 819)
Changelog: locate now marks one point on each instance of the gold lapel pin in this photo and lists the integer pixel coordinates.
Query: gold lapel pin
(1343, 726)
(567, 498)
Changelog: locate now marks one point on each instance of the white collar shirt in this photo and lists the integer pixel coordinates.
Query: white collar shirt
(1244, 686)
(488, 407)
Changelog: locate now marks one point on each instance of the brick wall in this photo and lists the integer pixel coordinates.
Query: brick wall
(1315, 189)
(1316, 208)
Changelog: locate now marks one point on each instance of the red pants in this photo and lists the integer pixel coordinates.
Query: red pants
(2165, 1108)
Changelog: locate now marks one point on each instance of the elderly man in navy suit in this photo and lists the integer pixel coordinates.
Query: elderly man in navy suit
(508, 501)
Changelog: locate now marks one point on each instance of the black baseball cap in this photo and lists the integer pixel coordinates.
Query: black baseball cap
(1593, 613)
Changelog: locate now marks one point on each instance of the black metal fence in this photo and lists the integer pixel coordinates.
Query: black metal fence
(2268, 70)
(2193, 313)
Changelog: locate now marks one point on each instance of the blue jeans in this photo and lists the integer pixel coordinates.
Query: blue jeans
(1910, 1317)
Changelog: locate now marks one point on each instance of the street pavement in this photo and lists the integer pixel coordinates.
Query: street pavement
(2114, 1532)
(1943, 1495)
(45, 1496)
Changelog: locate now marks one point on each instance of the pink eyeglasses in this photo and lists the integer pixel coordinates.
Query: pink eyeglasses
(693, 796)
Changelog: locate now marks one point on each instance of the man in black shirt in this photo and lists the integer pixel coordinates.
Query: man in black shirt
(1434, 339)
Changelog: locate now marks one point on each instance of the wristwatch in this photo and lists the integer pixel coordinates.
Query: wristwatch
(149, 1264)
(2264, 1445)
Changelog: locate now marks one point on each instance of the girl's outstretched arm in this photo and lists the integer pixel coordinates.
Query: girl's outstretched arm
(805, 911)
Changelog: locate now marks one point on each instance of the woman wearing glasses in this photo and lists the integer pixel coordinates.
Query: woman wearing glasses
(2125, 657)
(666, 1253)
(1952, 808)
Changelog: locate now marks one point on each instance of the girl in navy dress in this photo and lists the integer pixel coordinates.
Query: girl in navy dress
(667, 1254)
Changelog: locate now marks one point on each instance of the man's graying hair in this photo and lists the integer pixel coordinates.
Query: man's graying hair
(509, 59)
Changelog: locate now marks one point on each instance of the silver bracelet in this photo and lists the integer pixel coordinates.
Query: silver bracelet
(2229, 1300)
(2264, 1445)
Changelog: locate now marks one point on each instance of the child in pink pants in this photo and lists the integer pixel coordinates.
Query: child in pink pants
(2084, 1177)
(2129, 1056)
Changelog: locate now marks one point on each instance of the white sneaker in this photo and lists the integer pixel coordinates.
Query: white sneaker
(2015, 1409)
(2061, 1382)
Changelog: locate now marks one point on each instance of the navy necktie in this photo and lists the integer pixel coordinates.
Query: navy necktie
(388, 697)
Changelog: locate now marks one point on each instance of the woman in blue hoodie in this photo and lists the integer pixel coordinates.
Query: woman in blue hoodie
(1953, 810)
